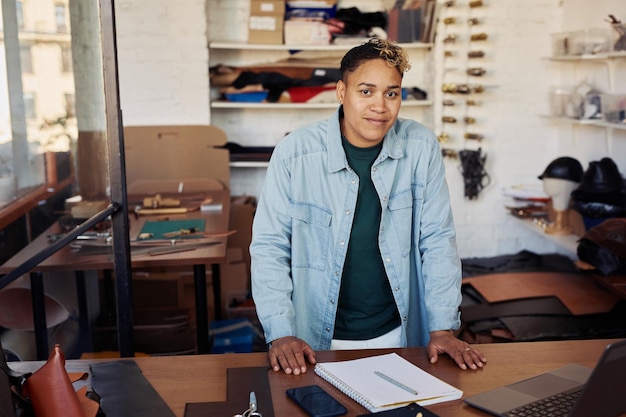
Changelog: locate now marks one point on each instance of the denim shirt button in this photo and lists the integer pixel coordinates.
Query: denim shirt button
(384, 198)
(347, 212)
(388, 260)
(404, 318)
(328, 329)
(342, 243)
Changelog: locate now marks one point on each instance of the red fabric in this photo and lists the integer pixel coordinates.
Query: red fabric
(304, 94)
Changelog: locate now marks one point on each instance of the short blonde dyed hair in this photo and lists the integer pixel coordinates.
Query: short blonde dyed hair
(375, 48)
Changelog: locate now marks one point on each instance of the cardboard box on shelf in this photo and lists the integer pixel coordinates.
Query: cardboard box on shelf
(265, 25)
(266, 30)
(160, 330)
(158, 154)
(156, 289)
(267, 7)
(233, 277)
(242, 210)
(306, 32)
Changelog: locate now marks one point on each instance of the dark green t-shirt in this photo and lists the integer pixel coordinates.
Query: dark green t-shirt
(366, 306)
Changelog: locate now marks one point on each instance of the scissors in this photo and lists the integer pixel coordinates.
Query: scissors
(252, 408)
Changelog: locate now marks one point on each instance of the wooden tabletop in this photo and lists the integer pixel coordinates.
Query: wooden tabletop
(202, 378)
(68, 259)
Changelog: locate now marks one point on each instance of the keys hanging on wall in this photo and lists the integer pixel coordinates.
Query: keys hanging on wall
(476, 71)
(473, 136)
(449, 153)
(451, 38)
(478, 37)
(459, 47)
(454, 88)
(443, 137)
(469, 120)
(476, 54)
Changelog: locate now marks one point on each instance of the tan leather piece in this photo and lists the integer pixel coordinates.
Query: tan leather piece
(577, 292)
(77, 376)
(51, 392)
(90, 407)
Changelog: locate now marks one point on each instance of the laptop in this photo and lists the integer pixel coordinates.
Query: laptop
(596, 392)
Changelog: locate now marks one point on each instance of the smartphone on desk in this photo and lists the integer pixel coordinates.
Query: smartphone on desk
(316, 402)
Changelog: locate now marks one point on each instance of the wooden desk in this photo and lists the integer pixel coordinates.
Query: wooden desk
(67, 259)
(202, 378)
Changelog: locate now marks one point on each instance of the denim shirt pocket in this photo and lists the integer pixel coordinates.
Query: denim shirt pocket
(311, 235)
(401, 209)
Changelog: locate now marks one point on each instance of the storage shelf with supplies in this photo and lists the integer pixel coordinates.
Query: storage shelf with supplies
(588, 122)
(583, 67)
(283, 47)
(262, 105)
(569, 243)
(252, 122)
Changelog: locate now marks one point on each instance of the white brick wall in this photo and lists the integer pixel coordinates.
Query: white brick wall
(163, 63)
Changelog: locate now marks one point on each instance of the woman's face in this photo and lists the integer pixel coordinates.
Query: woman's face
(371, 98)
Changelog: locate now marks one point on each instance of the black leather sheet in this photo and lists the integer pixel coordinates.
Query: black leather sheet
(125, 392)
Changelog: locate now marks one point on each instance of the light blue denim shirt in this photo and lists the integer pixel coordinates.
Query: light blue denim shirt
(303, 221)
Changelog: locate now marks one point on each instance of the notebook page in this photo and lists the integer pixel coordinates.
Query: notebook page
(358, 380)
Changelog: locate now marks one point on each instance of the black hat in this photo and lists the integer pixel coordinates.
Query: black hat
(601, 177)
(602, 183)
(565, 168)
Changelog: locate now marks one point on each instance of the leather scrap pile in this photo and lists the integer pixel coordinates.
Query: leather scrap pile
(527, 297)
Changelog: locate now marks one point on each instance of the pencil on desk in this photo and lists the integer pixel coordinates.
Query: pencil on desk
(396, 383)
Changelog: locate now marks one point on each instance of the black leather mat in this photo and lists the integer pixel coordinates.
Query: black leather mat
(124, 391)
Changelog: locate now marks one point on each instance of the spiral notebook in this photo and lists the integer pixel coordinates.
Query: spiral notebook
(385, 382)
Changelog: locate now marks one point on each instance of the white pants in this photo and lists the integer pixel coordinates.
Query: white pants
(392, 339)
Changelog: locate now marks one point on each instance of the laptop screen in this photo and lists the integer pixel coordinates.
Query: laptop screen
(604, 393)
(600, 390)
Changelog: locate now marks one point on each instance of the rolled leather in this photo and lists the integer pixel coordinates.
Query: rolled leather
(51, 392)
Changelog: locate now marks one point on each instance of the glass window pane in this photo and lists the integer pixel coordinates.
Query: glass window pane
(29, 106)
(61, 18)
(20, 15)
(37, 104)
(26, 58)
(66, 59)
(70, 103)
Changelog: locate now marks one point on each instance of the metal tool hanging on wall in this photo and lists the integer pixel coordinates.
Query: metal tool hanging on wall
(472, 162)
(454, 88)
